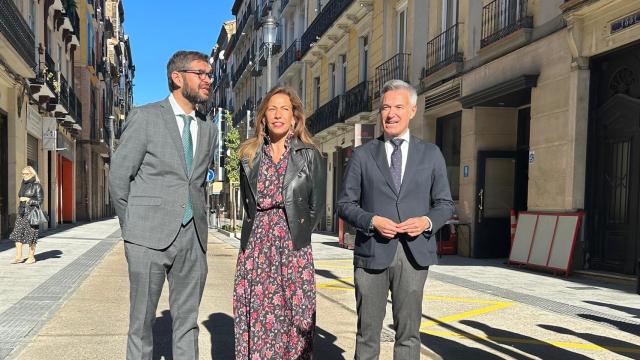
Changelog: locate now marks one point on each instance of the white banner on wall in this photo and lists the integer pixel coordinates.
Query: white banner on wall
(49, 133)
(34, 122)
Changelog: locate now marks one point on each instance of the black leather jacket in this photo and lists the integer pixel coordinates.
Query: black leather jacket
(304, 192)
(33, 190)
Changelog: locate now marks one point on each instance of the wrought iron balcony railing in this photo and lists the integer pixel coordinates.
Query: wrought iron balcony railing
(63, 95)
(395, 68)
(283, 5)
(329, 14)
(243, 21)
(49, 63)
(503, 17)
(75, 22)
(73, 104)
(241, 68)
(17, 31)
(291, 55)
(442, 51)
(341, 108)
(267, 5)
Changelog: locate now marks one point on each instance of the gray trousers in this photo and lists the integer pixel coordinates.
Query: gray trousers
(184, 264)
(406, 281)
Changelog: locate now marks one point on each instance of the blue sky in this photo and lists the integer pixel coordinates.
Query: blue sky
(159, 28)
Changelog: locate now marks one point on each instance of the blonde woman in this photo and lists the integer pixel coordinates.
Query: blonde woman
(30, 197)
(282, 181)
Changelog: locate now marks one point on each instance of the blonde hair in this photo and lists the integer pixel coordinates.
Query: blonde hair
(33, 172)
(249, 148)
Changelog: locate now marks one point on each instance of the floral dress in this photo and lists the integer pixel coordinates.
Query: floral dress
(274, 296)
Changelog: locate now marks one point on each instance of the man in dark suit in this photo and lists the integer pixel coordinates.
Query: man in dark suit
(396, 194)
(157, 183)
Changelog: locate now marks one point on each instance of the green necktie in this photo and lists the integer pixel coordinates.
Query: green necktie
(187, 145)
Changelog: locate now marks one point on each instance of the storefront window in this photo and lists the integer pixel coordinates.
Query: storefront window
(448, 139)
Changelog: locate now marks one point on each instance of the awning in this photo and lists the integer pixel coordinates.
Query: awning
(512, 93)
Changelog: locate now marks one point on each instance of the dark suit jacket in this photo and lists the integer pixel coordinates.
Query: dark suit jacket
(368, 190)
(148, 180)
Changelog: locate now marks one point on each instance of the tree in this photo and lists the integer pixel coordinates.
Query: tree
(232, 162)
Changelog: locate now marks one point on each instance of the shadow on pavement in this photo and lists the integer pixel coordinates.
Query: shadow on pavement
(50, 254)
(324, 346)
(632, 311)
(617, 346)
(220, 327)
(529, 345)
(332, 243)
(162, 333)
(327, 274)
(449, 349)
(6, 245)
(632, 329)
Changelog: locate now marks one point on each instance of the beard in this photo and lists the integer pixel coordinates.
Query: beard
(194, 97)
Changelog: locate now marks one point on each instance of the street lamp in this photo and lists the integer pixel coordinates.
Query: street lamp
(269, 32)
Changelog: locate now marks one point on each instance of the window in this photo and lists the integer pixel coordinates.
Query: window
(343, 73)
(318, 6)
(448, 133)
(402, 30)
(449, 13)
(364, 54)
(59, 64)
(316, 93)
(32, 15)
(332, 80)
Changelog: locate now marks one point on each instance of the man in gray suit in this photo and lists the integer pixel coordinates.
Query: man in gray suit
(157, 183)
(396, 193)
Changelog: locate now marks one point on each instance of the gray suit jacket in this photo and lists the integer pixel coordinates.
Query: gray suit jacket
(148, 180)
(368, 190)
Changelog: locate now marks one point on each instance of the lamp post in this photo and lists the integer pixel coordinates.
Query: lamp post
(269, 28)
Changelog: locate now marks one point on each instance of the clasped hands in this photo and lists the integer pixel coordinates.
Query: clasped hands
(412, 226)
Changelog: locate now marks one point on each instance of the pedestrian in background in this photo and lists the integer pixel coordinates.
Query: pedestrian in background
(30, 198)
(282, 182)
(157, 182)
(396, 193)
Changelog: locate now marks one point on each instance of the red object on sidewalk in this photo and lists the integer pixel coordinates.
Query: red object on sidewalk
(448, 237)
(341, 232)
(514, 225)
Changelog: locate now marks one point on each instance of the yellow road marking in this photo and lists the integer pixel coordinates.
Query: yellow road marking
(467, 314)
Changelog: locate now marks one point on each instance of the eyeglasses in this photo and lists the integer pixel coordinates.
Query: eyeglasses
(202, 75)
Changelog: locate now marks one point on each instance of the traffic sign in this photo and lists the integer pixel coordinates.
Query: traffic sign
(210, 175)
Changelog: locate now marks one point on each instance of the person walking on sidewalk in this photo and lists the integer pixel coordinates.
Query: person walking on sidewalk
(282, 182)
(157, 183)
(30, 199)
(396, 193)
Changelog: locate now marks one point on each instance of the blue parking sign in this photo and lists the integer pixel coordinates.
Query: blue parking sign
(210, 175)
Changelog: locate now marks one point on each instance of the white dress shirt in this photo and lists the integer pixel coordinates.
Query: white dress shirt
(388, 146)
(177, 110)
(404, 147)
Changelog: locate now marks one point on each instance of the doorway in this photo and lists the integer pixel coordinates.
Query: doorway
(496, 184)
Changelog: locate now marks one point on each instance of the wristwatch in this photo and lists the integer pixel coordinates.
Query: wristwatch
(371, 227)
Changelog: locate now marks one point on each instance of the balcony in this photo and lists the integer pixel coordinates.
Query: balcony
(243, 21)
(63, 95)
(241, 68)
(341, 108)
(395, 68)
(442, 51)
(267, 5)
(291, 55)
(503, 17)
(323, 21)
(16, 30)
(283, 5)
(242, 112)
(74, 37)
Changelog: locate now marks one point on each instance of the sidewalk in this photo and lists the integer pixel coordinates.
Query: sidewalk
(72, 319)
(31, 293)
